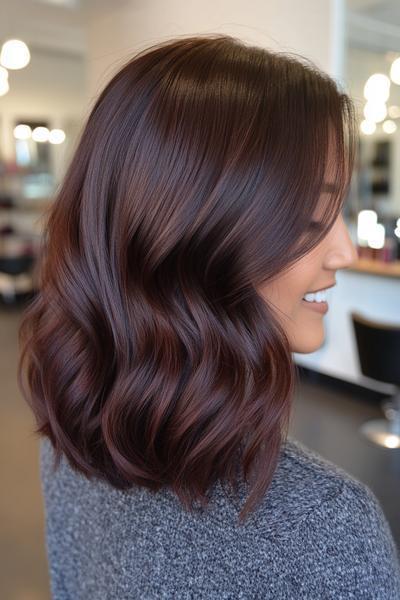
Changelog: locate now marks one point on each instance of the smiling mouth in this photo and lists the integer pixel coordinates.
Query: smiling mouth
(320, 307)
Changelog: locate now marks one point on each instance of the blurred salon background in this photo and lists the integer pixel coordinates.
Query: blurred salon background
(55, 57)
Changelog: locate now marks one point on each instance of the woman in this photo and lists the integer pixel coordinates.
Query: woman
(202, 204)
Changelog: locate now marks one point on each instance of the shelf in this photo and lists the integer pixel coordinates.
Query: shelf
(376, 267)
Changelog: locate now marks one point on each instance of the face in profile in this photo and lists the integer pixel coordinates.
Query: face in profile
(303, 320)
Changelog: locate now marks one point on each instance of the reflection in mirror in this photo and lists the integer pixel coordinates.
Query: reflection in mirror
(372, 77)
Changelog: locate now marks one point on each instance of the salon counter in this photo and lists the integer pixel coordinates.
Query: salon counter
(375, 293)
(376, 267)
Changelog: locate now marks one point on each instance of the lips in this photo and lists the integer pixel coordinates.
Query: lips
(320, 307)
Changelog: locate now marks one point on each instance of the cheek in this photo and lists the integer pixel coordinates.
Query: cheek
(305, 330)
(297, 294)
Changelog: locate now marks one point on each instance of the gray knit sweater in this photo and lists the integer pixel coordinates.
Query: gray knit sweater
(318, 534)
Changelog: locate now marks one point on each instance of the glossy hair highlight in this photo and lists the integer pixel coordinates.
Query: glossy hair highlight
(150, 358)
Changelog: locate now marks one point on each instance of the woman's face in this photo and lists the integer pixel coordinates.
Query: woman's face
(303, 323)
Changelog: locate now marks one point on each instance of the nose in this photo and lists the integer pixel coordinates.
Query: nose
(341, 252)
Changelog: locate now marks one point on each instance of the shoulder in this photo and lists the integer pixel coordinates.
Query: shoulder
(305, 481)
(324, 479)
(304, 468)
(319, 484)
(343, 532)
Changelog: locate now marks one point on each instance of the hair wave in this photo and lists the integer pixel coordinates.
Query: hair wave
(149, 356)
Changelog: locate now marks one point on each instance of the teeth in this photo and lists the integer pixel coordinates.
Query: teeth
(320, 296)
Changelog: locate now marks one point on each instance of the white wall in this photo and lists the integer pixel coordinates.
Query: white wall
(308, 27)
(375, 297)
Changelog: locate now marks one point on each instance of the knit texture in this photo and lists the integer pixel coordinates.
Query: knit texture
(318, 534)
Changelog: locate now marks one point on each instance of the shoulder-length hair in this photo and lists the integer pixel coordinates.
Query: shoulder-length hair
(151, 358)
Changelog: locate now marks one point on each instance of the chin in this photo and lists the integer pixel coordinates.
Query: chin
(307, 343)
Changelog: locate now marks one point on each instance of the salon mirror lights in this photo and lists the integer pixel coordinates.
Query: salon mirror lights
(377, 90)
(372, 235)
(39, 134)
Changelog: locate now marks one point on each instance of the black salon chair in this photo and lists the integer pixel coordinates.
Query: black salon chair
(379, 355)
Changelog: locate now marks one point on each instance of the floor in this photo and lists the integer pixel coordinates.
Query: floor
(326, 417)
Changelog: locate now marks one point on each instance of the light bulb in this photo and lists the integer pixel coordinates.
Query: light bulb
(389, 126)
(4, 87)
(395, 71)
(14, 54)
(56, 136)
(22, 132)
(374, 111)
(377, 237)
(40, 134)
(377, 88)
(366, 222)
(394, 112)
(368, 127)
(3, 74)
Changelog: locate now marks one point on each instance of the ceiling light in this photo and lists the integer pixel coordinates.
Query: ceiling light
(4, 87)
(395, 71)
(40, 134)
(368, 127)
(56, 136)
(375, 111)
(377, 87)
(22, 132)
(3, 74)
(389, 126)
(14, 54)
(394, 112)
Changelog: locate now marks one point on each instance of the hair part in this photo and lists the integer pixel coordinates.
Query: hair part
(150, 359)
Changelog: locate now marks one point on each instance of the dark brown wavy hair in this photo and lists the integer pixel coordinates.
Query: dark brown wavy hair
(148, 355)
